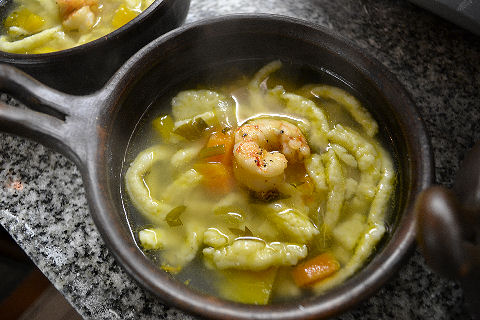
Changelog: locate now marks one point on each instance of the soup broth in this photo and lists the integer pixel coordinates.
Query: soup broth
(264, 189)
(42, 26)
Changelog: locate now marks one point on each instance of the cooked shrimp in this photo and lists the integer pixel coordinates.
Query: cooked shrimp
(77, 14)
(263, 147)
(67, 7)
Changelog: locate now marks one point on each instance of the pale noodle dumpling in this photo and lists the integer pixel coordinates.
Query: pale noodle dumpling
(256, 194)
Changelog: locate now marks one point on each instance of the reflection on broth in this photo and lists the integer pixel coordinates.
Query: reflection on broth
(256, 193)
(41, 26)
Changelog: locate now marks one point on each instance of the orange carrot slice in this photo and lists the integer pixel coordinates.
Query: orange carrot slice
(216, 177)
(225, 139)
(315, 269)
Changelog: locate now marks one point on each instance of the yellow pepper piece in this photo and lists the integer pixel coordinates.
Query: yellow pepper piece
(45, 49)
(122, 16)
(26, 20)
(252, 287)
(163, 125)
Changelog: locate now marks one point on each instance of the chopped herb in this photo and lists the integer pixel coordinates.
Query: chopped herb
(297, 184)
(232, 215)
(211, 151)
(193, 129)
(241, 233)
(173, 217)
(268, 196)
(236, 232)
(248, 233)
(175, 223)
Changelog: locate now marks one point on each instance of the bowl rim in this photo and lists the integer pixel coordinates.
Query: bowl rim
(111, 36)
(366, 281)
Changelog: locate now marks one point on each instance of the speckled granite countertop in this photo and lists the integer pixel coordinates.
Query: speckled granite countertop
(43, 204)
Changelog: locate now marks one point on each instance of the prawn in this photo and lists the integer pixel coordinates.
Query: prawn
(263, 147)
(77, 14)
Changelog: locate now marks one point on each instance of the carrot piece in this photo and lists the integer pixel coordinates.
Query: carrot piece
(220, 138)
(217, 169)
(315, 269)
(216, 177)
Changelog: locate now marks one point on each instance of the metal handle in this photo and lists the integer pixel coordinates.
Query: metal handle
(449, 229)
(52, 118)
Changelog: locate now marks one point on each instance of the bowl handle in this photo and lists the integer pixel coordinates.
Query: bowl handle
(449, 229)
(55, 119)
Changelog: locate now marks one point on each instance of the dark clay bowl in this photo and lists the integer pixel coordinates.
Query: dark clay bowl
(94, 131)
(86, 68)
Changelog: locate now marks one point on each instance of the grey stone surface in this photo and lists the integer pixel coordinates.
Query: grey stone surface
(43, 204)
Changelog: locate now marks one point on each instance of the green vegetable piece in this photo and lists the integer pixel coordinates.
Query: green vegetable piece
(248, 233)
(233, 218)
(211, 151)
(232, 215)
(241, 233)
(163, 125)
(193, 129)
(228, 209)
(175, 223)
(173, 217)
(237, 232)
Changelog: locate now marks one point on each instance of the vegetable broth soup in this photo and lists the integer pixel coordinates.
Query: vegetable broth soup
(41, 26)
(264, 189)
